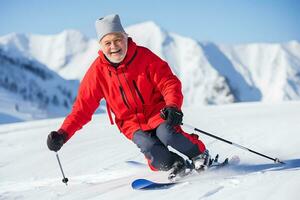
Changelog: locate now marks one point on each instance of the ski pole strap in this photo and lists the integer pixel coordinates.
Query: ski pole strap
(276, 160)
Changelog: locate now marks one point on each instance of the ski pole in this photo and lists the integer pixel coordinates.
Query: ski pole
(64, 180)
(276, 160)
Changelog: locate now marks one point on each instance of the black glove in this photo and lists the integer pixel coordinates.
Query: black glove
(172, 115)
(56, 140)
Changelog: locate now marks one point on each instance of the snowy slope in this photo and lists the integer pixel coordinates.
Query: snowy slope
(94, 160)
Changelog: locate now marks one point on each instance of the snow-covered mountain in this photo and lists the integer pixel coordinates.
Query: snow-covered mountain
(210, 73)
(69, 53)
(202, 84)
(249, 72)
(29, 90)
(271, 71)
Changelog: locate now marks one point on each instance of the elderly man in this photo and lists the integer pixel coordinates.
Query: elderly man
(144, 96)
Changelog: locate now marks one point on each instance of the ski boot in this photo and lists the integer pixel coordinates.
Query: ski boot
(202, 161)
(179, 169)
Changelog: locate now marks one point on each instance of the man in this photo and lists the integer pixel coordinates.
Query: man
(144, 95)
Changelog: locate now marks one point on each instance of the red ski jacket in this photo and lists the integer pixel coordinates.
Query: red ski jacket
(135, 92)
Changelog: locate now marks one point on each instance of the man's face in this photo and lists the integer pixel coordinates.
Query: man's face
(114, 46)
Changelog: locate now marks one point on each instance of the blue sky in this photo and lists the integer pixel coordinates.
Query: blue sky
(221, 21)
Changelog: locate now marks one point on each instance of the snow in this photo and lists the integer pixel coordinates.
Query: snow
(14, 109)
(68, 49)
(95, 159)
(29, 90)
(210, 73)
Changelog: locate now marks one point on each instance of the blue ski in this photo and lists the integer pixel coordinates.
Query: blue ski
(144, 184)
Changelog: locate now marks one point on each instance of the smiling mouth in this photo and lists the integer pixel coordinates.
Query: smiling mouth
(115, 52)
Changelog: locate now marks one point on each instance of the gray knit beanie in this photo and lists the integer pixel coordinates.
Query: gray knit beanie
(108, 24)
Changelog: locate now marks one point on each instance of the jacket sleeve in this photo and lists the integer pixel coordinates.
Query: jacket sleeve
(166, 82)
(87, 101)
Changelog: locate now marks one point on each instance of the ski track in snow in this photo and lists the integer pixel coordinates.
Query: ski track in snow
(101, 164)
(214, 191)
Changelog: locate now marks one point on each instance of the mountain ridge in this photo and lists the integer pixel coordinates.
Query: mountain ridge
(210, 73)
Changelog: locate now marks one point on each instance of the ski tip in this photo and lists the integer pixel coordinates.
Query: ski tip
(144, 184)
(140, 184)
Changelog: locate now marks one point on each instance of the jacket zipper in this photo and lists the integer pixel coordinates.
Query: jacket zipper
(136, 112)
(123, 96)
(123, 93)
(138, 91)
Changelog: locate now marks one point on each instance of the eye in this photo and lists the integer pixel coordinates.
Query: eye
(118, 40)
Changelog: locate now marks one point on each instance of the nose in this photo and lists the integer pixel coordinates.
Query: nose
(113, 45)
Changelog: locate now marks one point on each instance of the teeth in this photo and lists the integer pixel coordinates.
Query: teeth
(116, 51)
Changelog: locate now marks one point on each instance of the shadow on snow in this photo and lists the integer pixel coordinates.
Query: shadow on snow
(293, 164)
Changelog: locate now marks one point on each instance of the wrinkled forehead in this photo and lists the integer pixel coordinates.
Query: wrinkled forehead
(113, 36)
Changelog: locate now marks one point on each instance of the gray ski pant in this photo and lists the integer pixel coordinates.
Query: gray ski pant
(154, 145)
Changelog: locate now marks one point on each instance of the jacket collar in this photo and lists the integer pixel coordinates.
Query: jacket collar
(131, 51)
